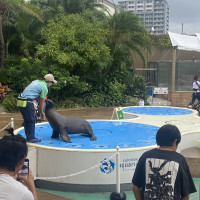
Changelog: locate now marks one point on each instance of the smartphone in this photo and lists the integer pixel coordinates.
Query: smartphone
(25, 167)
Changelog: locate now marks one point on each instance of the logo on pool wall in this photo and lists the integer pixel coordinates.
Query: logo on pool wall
(128, 164)
(107, 166)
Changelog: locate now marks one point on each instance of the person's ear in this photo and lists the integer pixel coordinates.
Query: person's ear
(174, 145)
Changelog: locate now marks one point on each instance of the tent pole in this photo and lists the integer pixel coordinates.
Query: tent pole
(173, 68)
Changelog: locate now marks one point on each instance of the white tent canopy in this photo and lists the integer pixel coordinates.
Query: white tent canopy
(182, 42)
(185, 42)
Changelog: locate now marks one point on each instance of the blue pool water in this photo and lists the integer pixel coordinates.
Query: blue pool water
(148, 110)
(109, 135)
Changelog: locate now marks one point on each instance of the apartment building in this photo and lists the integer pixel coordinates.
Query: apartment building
(154, 13)
(110, 5)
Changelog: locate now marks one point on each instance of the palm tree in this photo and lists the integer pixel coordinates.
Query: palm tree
(10, 8)
(51, 8)
(23, 36)
(127, 36)
(77, 6)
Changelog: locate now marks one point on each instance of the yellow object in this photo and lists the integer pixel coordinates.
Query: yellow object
(21, 103)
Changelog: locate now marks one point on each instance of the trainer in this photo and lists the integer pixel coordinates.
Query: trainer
(36, 89)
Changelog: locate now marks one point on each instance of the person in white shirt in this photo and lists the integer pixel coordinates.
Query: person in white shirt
(141, 101)
(13, 151)
(196, 92)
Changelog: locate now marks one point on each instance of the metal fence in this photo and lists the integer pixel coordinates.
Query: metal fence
(159, 74)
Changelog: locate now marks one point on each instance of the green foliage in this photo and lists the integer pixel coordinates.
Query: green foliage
(73, 102)
(130, 101)
(76, 43)
(112, 96)
(162, 41)
(127, 35)
(95, 99)
(10, 103)
(23, 35)
(89, 55)
(21, 73)
(9, 10)
(115, 93)
(67, 85)
(135, 85)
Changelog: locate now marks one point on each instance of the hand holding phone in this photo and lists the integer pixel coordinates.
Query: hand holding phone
(24, 170)
(25, 167)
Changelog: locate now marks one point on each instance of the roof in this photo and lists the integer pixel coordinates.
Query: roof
(185, 42)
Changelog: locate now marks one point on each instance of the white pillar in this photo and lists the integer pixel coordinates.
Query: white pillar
(12, 123)
(173, 69)
(117, 170)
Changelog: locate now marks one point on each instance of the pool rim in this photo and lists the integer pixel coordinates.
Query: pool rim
(140, 115)
(85, 150)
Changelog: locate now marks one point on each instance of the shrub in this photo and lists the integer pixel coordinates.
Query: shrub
(130, 101)
(115, 93)
(73, 102)
(18, 75)
(10, 103)
(95, 99)
(135, 85)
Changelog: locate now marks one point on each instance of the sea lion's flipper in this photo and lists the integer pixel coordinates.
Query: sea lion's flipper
(55, 134)
(64, 135)
(91, 134)
(93, 138)
(66, 138)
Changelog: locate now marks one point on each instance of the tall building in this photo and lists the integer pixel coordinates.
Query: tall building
(110, 6)
(155, 13)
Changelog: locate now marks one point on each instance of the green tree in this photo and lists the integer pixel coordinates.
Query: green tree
(78, 6)
(52, 8)
(77, 43)
(11, 8)
(127, 36)
(25, 36)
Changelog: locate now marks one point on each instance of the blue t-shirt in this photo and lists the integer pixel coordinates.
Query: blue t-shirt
(35, 89)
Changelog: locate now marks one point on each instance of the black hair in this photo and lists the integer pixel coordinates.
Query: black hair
(12, 149)
(167, 134)
(196, 78)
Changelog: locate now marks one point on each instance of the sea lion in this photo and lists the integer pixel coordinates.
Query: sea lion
(63, 125)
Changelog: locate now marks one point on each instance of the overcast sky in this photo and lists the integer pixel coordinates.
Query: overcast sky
(186, 12)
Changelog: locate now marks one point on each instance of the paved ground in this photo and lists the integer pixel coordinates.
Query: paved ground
(47, 196)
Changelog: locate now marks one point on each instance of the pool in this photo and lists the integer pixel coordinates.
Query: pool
(150, 110)
(109, 135)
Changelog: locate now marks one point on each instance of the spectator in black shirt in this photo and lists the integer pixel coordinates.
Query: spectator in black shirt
(162, 173)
